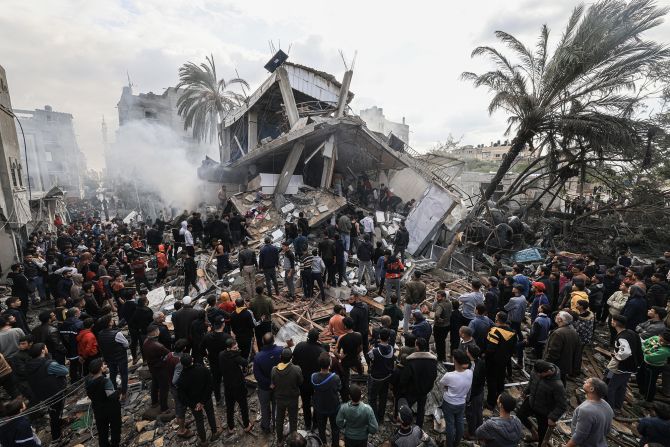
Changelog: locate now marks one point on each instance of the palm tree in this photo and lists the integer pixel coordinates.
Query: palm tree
(206, 101)
(584, 92)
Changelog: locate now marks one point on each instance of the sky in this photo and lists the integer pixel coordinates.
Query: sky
(76, 55)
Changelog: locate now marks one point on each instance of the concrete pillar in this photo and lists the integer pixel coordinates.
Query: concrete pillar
(287, 96)
(224, 148)
(344, 93)
(288, 169)
(252, 136)
(329, 156)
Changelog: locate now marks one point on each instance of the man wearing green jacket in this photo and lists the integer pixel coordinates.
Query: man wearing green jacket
(356, 420)
(656, 352)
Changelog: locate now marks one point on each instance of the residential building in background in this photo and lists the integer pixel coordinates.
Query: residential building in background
(494, 152)
(14, 209)
(54, 158)
(376, 121)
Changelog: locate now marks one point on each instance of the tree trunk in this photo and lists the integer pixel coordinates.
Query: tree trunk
(522, 138)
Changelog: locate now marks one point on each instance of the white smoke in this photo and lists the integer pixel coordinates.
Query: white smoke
(158, 159)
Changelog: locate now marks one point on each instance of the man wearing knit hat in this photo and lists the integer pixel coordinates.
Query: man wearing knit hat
(539, 298)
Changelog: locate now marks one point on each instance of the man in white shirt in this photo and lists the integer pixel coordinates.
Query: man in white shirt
(368, 223)
(456, 385)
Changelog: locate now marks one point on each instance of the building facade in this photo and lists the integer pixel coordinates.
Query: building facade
(376, 121)
(494, 152)
(54, 158)
(14, 210)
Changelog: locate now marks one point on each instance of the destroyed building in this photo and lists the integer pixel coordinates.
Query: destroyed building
(54, 156)
(296, 131)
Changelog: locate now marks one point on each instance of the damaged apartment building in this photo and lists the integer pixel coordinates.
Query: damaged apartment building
(295, 142)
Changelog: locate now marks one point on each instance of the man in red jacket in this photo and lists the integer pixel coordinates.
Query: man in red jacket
(87, 344)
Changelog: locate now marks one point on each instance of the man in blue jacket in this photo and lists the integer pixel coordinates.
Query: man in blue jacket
(268, 260)
(267, 358)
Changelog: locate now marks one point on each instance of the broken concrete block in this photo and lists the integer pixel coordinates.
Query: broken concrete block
(322, 208)
(380, 217)
(141, 425)
(158, 442)
(146, 437)
(288, 208)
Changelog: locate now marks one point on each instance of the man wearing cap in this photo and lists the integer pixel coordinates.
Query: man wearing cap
(286, 379)
(656, 351)
(539, 298)
(544, 399)
(564, 346)
(306, 356)
(626, 359)
(655, 325)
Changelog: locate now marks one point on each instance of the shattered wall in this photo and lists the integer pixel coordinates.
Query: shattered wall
(426, 218)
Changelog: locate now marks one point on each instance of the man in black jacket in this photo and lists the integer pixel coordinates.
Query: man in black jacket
(114, 348)
(365, 261)
(195, 391)
(69, 329)
(657, 295)
(190, 274)
(141, 319)
(626, 360)
(235, 391)
(46, 333)
(360, 314)
(306, 356)
(21, 287)
(382, 360)
(401, 242)
(154, 238)
(544, 399)
(268, 261)
(183, 318)
(242, 325)
(105, 403)
(327, 252)
(213, 344)
(419, 375)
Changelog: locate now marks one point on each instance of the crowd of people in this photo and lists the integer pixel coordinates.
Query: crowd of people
(88, 284)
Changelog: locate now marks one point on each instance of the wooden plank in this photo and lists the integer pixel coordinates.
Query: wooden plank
(370, 302)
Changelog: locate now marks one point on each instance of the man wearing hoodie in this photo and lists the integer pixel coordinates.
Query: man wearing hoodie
(382, 360)
(306, 356)
(105, 404)
(544, 399)
(626, 359)
(356, 420)
(539, 298)
(242, 325)
(505, 430)
(655, 325)
(286, 379)
(409, 434)
(232, 365)
(539, 332)
(47, 378)
(264, 361)
(326, 399)
(114, 348)
(577, 294)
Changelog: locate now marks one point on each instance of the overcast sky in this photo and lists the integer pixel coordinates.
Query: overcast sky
(74, 54)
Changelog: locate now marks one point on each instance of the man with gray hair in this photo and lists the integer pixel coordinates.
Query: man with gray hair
(592, 420)
(564, 346)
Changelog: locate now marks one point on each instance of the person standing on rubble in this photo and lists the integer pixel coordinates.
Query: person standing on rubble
(233, 366)
(626, 359)
(286, 379)
(306, 356)
(303, 224)
(442, 316)
(154, 356)
(469, 302)
(248, 266)
(344, 227)
(348, 348)
(501, 343)
(592, 419)
(656, 351)
(289, 269)
(213, 344)
(368, 223)
(418, 376)
(520, 278)
(186, 233)
(382, 360)
(563, 346)
(360, 314)
(365, 269)
(340, 261)
(268, 261)
(161, 265)
(394, 269)
(327, 253)
(401, 241)
(242, 325)
(317, 274)
(105, 403)
(222, 260)
(235, 225)
(265, 360)
(262, 307)
(190, 274)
